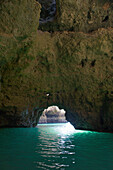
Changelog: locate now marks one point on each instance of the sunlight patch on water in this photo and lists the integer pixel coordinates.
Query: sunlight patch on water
(67, 128)
(45, 147)
(57, 143)
(62, 128)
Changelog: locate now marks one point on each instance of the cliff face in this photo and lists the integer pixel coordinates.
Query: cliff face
(86, 16)
(18, 26)
(79, 15)
(74, 68)
(19, 18)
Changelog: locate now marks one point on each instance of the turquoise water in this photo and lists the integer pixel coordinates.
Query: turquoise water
(55, 147)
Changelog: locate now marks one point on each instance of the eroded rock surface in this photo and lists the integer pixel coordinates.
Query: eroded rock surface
(74, 68)
(19, 21)
(79, 15)
(20, 18)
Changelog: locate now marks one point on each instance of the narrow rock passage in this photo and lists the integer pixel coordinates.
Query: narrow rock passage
(48, 10)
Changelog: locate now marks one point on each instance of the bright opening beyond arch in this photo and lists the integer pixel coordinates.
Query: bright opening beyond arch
(53, 115)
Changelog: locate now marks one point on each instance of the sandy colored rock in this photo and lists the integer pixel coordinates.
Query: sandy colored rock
(20, 18)
(79, 15)
(74, 68)
(53, 115)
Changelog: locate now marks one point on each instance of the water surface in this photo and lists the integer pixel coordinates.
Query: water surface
(55, 146)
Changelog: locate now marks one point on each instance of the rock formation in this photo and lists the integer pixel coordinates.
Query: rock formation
(79, 15)
(74, 68)
(53, 115)
(48, 10)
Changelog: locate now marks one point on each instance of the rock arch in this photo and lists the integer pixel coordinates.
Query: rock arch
(36, 63)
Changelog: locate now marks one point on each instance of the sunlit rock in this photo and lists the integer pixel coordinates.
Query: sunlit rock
(43, 118)
(53, 115)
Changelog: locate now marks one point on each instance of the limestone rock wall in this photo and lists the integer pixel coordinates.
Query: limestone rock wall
(79, 15)
(86, 16)
(19, 22)
(80, 76)
(74, 68)
(19, 17)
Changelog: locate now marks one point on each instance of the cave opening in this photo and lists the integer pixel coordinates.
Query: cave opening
(48, 11)
(53, 116)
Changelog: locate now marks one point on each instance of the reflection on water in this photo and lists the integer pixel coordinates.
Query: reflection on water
(57, 146)
(63, 147)
(60, 128)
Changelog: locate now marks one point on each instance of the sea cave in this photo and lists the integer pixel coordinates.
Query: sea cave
(56, 84)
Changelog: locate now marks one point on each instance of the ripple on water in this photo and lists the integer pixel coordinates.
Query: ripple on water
(47, 147)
